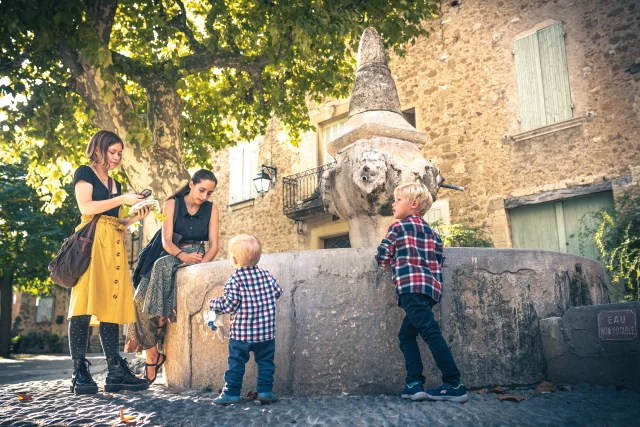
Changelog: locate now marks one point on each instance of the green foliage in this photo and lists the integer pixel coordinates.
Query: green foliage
(617, 238)
(14, 346)
(459, 234)
(29, 237)
(235, 64)
(36, 342)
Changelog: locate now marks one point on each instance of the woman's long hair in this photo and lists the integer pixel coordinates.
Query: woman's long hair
(201, 175)
(101, 140)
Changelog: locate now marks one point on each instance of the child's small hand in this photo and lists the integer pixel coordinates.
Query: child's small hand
(211, 321)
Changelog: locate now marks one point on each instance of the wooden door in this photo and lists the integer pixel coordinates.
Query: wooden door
(564, 225)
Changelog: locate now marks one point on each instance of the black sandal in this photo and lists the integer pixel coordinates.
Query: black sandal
(156, 365)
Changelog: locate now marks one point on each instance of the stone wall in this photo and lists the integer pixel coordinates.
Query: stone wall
(25, 321)
(461, 81)
(577, 352)
(337, 321)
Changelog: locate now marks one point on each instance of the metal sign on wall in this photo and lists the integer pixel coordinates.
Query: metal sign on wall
(618, 325)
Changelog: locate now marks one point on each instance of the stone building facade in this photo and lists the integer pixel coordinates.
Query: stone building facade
(526, 154)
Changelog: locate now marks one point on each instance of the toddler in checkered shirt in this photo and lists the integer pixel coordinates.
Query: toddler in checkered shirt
(413, 253)
(250, 294)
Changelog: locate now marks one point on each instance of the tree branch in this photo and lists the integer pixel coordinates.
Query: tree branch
(180, 23)
(8, 65)
(199, 62)
(69, 58)
(135, 70)
(104, 12)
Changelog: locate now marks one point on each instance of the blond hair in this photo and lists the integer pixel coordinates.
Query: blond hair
(246, 249)
(415, 191)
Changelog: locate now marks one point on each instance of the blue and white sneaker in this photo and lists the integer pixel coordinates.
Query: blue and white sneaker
(267, 397)
(449, 392)
(225, 399)
(414, 391)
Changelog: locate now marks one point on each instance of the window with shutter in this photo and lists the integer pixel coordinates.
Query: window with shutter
(330, 131)
(438, 214)
(542, 75)
(241, 172)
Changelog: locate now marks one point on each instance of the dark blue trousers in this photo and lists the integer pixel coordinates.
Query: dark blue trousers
(263, 354)
(419, 320)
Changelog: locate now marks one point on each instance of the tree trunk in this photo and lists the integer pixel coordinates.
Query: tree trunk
(6, 303)
(159, 166)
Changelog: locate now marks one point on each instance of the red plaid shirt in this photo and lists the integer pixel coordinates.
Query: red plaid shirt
(251, 294)
(414, 252)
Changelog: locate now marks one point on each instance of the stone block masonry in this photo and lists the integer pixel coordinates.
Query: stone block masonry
(599, 345)
(337, 321)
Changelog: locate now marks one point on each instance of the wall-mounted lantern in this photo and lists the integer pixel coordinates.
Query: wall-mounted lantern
(264, 181)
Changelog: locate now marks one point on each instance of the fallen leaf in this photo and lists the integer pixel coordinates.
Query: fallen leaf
(545, 387)
(107, 396)
(129, 420)
(497, 390)
(565, 388)
(24, 397)
(483, 391)
(252, 395)
(511, 397)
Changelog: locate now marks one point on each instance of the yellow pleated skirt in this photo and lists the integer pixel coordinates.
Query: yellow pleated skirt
(104, 291)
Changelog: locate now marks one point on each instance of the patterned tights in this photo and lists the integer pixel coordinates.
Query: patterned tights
(79, 337)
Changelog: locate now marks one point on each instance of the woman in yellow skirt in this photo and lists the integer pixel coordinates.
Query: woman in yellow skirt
(103, 294)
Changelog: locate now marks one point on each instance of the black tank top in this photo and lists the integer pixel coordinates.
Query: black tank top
(192, 227)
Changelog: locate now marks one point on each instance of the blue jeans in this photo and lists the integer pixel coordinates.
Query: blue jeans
(419, 319)
(263, 353)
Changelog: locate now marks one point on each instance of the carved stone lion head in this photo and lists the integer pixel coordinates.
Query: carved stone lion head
(370, 171)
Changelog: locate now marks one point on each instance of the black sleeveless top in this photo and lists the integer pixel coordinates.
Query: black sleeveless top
(192, 227)
(100, 192)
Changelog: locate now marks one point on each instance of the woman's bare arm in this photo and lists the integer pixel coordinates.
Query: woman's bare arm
(167, 228)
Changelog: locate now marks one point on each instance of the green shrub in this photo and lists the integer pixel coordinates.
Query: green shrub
(14, 346)
(36, 342)
(617, 237)
(459, 234)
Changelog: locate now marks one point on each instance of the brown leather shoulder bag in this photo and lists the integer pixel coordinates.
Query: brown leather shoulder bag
(75, 254)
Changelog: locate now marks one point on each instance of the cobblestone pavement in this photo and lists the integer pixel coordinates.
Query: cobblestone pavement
(53, 405)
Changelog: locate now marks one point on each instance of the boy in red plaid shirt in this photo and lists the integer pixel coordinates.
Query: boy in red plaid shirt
(251, 294)
(412, 251)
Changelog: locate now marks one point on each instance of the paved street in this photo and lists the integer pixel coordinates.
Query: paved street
(53, 405)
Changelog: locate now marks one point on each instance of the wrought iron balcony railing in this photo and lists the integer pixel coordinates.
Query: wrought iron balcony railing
(302, 197)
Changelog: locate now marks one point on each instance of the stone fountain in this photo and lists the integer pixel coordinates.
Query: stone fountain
(378, 151)
(337, 320)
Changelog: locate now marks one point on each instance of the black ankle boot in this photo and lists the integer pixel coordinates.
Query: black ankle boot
(120, 377)
(81, 381)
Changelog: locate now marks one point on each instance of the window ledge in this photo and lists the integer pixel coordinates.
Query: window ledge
(241, 205)
(545, 130)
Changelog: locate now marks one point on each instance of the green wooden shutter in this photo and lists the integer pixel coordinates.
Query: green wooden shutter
(555, 74)
(529, 79)
(542, 75)
(581, 219)
(564, 225)
(534, 227)
(235, 174)
(248, 171)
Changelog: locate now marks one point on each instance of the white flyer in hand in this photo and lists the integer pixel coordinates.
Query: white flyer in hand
(154, 204)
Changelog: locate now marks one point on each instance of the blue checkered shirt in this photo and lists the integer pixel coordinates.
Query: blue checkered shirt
(414, 252)
(251, 294)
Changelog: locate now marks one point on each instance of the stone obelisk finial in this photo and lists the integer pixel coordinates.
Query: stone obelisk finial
(374, 107)
(374, 88)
